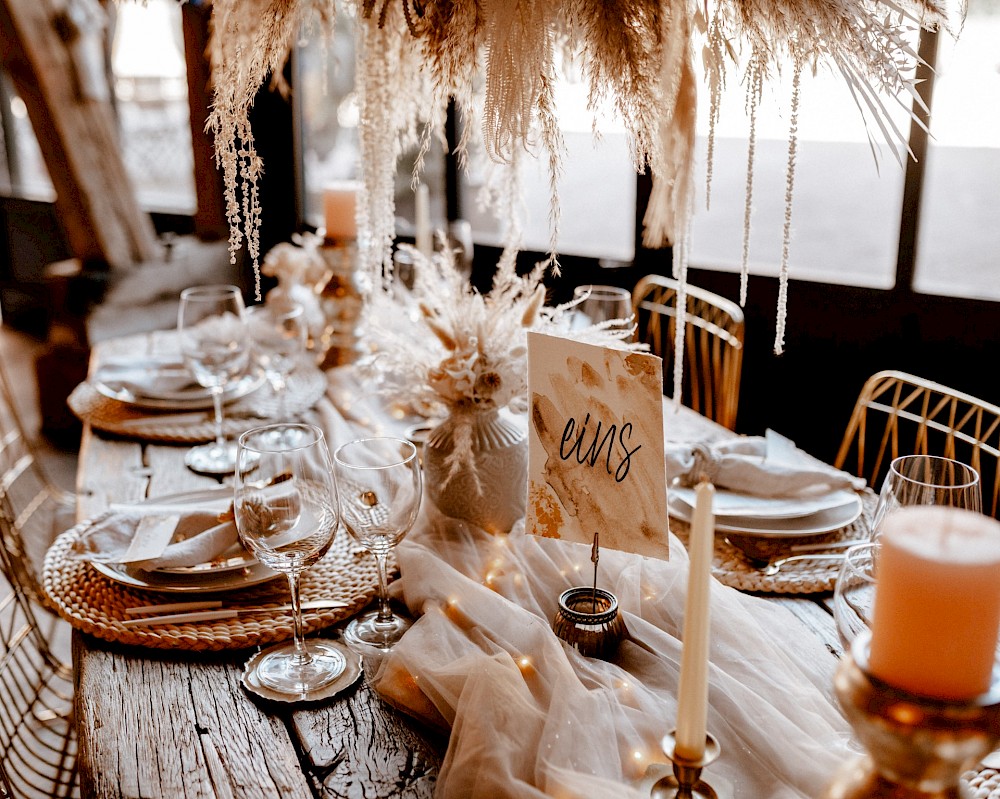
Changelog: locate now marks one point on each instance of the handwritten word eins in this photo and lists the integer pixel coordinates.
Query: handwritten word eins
(568, 446)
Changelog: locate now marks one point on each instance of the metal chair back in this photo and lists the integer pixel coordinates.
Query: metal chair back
(713, 343)
(900, 414)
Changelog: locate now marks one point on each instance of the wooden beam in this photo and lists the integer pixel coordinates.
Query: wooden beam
(95, 200)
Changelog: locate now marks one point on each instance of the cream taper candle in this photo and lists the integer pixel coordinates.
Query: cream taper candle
(692, 699)
(936, 615)
(422, 222)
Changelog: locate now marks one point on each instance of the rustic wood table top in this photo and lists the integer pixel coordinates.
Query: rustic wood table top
(156, 723)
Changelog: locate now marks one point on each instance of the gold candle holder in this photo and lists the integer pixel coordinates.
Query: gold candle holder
(686, 781)
(917, 746)
(342, 300)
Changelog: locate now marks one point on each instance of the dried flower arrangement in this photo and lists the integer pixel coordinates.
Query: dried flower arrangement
(497, 60)
(443, 348)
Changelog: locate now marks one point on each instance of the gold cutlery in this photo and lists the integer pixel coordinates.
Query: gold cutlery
(212, 611)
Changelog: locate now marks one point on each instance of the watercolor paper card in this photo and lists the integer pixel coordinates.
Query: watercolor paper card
(595, 445)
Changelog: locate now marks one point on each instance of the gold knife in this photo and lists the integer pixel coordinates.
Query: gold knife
(227, 613)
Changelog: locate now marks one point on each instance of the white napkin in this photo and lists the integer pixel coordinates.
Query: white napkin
(195, 537)
(152, 378)
(765, 466)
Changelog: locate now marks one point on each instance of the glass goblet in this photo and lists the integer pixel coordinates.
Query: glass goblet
(926, 480)
(380, 490)
(854, 592)
(279, 340)
(286, 514)
(213, 338)
(598, 304)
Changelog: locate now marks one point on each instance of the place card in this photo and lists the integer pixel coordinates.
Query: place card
(595, 445)
(152, 535)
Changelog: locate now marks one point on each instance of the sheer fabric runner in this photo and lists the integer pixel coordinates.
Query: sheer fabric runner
(530, 717)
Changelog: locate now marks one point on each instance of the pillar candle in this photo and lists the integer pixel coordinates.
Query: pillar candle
(340, 201)
(936, 614)
(422, 222)
(692, 698)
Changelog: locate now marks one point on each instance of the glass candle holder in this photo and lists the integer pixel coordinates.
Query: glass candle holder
(589, 621)
(917, 747)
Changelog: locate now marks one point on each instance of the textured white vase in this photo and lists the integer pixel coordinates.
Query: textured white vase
(500, 457)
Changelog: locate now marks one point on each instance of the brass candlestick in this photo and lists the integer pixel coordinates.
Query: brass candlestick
(917, 747)
(342, 300)
(686, 781)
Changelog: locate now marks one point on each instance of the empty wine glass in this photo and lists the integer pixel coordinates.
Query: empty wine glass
(380, 490)
(286, 514)
(598, 304)
(927, 480)
(854, 592)
(278, 334)
(213, 338)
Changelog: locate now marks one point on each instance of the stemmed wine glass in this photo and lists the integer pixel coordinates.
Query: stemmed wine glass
(854, 591)
(597, 304)
(279, 339)
(380, 490)
(286, 514)
(213, 338)
(927, 480)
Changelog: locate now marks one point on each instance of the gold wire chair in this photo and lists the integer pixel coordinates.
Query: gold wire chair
(37, 735)
(713, 343)
(922, 418)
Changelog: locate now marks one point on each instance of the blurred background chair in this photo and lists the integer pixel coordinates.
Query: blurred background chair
(900, 414)
(713, 343)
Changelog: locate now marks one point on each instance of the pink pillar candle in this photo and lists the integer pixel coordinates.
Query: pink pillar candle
(340, 202)
(936, 615)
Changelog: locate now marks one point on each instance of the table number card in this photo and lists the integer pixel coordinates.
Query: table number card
(595, 445)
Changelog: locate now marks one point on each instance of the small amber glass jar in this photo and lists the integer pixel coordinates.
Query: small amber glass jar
(589, 621)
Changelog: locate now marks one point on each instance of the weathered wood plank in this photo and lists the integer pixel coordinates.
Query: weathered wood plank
(817, 616)
(164, 725)
(359, 747)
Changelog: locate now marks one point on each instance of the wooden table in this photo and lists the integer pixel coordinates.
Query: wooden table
(154, 723)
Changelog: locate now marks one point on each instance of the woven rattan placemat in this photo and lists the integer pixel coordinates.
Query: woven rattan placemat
(96, 604)
(306, 386)
(732, 567)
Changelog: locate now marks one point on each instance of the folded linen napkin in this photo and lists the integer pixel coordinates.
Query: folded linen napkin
(766, 466)
(151, 378)
(151, 541)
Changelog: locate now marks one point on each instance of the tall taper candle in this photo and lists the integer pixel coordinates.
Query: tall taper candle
(422, 222)
(692, 699)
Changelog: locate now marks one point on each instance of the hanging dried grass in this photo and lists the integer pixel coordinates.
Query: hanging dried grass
(496, 59)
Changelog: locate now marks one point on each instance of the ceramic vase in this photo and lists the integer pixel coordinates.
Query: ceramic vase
(500, 461)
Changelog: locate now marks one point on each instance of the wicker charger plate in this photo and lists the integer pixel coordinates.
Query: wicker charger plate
(733, 568)
(96, 604)
(306, 386)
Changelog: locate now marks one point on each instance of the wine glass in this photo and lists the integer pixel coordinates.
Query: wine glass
(213, 337)
(854, 591)
(380, 490)
(279, 339)
(926, 480)
(597, 304)
(286, 514)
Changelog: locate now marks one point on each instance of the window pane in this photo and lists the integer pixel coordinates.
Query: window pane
(958, 250)
(150, 82)
(596, 191)
(845, 207)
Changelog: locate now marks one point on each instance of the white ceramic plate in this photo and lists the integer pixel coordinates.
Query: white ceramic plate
(204, 583)
(730, 503)
(198, 400)
(235, 568)
(824, 521)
